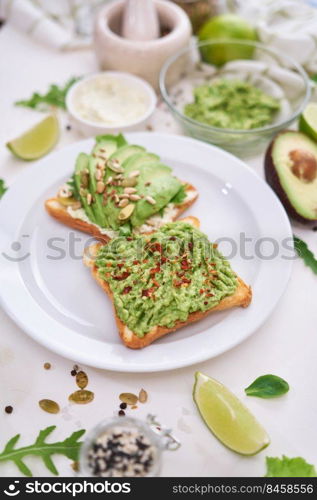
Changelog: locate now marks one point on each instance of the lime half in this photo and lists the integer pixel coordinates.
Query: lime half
(229, 420)
(37, 141)
(308, 121)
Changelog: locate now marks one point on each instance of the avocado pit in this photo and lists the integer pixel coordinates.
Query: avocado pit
(304, 165)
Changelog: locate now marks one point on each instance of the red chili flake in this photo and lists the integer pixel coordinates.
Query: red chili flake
(177, 283)
(212, 263)
(155, 247)
(127, 289)
(185, 264)
(145, 261)
(147, 292)
(163, 260)
(129, 238)
(155, 270)
(122, 276)
(205, 303)
(191, 246)
(180, 274)
(172, 238)
(201, 291)
(186, 280)
(155, 283)
(136, 262)
(209, 295)
(120, 265)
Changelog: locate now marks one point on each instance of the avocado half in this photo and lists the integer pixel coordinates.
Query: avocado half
(291, 170)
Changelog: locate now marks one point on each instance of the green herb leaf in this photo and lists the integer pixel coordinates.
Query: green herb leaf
(314, 78)
(3, 188)
(179, 196)
(55, 96)
(289, 467)
(267, 386)
(69, 448)
(304, 253)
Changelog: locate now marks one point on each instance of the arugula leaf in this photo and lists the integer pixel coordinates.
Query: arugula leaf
(314, 78)
(3, 188)
(69, 448)
(305, 254)
(179, 196)
(267, 386)
(55, 96)
(289, 467)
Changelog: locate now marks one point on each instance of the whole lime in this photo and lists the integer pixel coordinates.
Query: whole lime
(226, 27)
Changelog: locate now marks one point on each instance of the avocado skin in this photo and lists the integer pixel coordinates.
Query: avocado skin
(273, 180)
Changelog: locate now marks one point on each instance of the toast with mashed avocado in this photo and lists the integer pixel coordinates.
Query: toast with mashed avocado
(162, 281)
(119, 189)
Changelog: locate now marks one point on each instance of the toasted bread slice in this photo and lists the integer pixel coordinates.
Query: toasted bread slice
(60, 212)
(241, 298)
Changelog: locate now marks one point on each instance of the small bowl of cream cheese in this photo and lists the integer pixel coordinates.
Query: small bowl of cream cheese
(110, 102)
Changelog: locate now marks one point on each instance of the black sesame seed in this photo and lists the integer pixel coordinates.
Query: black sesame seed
(123, 406)
(73, 373)
(8, 409)
(121, 413)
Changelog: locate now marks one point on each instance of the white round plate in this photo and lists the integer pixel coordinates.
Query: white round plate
(49, 293)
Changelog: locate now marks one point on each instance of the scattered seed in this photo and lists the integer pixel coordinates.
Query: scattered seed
(135, 197)
(121, 413)
(109, 180)
(123, 406)
(134, 173)
(143, 396)
(129, 182)
(84, 179)
(134, 407)
(49, 406)
(115, 167)
(129, 190)
(75, 466)
(98, 174)
(73, 373)
(150, 200)
(123, 203)
(89, 198)
(81, 397)
(128, 398)
(100, 187)
(76, 205)
(8, 409)
(47, 366)
(126, 212)
(82, 379)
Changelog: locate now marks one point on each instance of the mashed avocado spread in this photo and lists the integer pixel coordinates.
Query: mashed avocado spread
(232, 104)
(161, 278)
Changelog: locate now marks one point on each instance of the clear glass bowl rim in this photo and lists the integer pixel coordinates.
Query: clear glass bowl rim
(267, 128)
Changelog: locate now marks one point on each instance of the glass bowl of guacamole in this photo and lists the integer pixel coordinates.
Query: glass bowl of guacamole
(234, 94)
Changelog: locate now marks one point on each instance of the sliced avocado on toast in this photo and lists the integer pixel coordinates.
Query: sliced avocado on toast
(120, 186)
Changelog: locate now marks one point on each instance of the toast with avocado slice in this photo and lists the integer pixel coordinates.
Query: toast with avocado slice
(162, 281)
(119, 189)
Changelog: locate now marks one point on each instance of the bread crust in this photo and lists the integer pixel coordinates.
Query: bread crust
(59, 212)
(241, 298)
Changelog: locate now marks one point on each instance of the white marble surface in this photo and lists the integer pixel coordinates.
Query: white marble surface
(286, 345)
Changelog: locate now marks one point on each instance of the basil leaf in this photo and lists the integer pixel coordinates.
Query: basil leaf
(3, 188)
(267, 386)
(304, 253)
(289, 467)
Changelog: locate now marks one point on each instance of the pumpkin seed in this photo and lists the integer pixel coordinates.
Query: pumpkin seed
(143, 396)
(100, 187)
(49, 406)
(123, 203)
(129, 398)
(115, 167)
(82, 379)
(126, 212)
(81, 397)
(129, 182)
(129, 190)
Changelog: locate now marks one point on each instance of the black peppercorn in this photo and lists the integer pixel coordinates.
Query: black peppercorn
(73, 373)
(121, 413)
(8, 409)
(123, 406)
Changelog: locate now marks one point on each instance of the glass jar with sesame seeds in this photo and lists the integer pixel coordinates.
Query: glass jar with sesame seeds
(125, 447)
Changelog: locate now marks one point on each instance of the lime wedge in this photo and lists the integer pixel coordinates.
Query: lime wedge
(37, 141)
(227, 418)
(308, 121)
